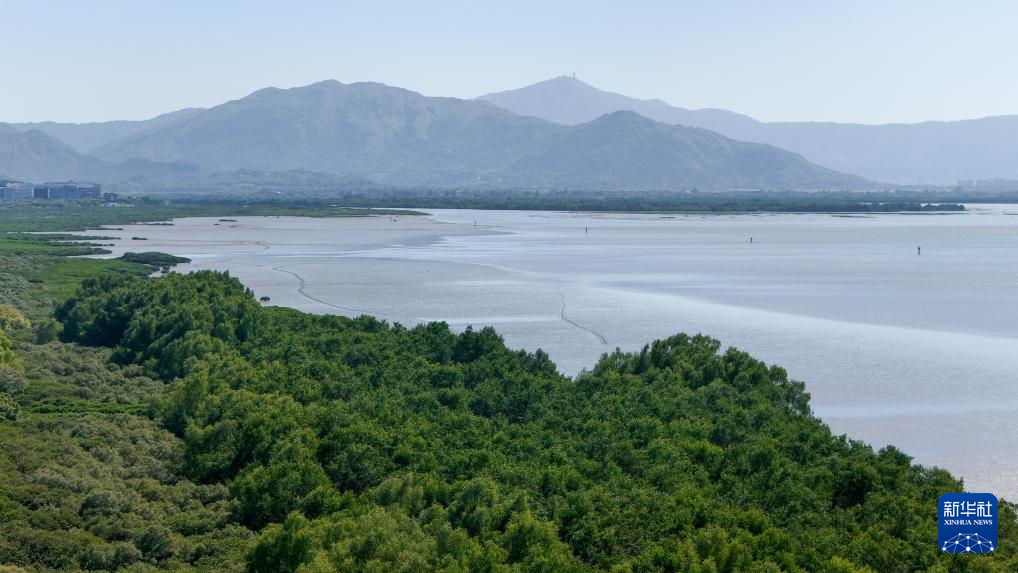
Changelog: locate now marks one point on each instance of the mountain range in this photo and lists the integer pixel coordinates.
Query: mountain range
(87, 137)
(557, 134)
(941, 152)
(396, 137)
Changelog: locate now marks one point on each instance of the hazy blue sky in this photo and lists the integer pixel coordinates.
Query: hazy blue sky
(861, 60)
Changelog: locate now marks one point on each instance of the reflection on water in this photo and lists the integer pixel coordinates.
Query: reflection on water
(916, 350)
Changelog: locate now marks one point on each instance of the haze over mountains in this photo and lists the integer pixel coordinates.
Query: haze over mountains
(623, 149)
(940, 152)
(396, 137)
(86, 137)
(386, 134)
(35, 155)
(557, 134)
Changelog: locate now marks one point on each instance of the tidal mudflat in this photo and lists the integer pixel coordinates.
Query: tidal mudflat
(914, 349)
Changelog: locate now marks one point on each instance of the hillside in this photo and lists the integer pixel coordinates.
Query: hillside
(941, 152)
(623, 150)
(938, 151)
(385, 134)
(36, 156)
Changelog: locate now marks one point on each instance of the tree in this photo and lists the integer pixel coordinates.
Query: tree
(9, 409)
(11, 318)
(8, 357)
(47, 330)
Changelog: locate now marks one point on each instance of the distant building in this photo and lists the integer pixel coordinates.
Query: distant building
(109, 197)
(9, 190)
(64, 191)
(91, 191)
(68, 190)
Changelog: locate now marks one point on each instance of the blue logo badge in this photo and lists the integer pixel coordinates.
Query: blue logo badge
(968, 523)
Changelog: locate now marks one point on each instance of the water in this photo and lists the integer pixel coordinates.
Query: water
(919, 351)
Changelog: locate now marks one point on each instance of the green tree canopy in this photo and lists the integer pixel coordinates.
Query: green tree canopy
(352, 444)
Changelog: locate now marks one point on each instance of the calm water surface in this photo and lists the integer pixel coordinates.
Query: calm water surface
(895, 347)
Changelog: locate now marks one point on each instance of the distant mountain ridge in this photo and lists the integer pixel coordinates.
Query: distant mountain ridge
(37, 156)
(626, 150)
(34, 155)
(87, 137)
(569, 101)
(387, 134)
(369, 132)
(937, 151)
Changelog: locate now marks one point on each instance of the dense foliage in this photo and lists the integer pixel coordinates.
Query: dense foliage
(88, 482)
(350, 444)
(156, 260)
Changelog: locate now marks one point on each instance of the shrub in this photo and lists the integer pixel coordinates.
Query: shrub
(8, 407)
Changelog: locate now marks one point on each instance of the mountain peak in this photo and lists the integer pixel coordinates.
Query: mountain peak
(570, 101)
(566, 80)
(326, 83)
(624, 116)
(556, 87)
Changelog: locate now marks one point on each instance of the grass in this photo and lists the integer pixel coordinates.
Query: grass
(21, 245)
(58, 278)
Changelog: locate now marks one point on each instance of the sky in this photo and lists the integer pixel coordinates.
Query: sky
(866, 61)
